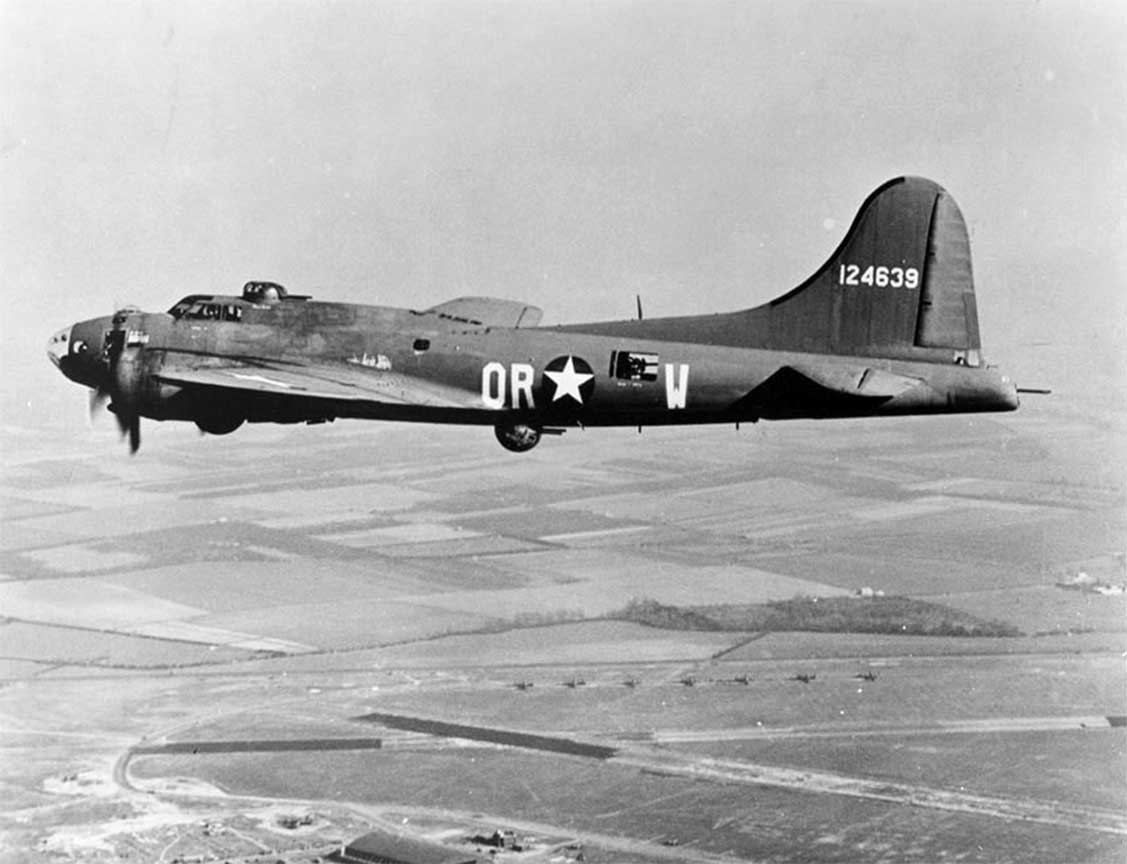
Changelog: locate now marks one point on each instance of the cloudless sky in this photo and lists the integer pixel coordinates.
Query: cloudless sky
(708, 155)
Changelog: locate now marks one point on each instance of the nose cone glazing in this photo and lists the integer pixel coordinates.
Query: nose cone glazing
(75, 351)
(58, 346)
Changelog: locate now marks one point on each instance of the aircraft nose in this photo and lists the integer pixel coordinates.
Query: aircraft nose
(58, 346)
(74, 351)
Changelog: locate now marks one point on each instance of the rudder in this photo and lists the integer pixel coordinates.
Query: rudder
(948, 316)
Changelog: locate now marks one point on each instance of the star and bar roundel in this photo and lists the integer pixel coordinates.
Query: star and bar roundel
(568, 378)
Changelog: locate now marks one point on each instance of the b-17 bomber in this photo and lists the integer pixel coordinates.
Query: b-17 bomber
(868, 675)
(887, 326)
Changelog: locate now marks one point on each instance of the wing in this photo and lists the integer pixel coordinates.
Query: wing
(337, 383)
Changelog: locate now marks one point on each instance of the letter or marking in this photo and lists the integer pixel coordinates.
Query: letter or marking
(262, 379)
(568, 381)
(371, 361)
(521, 382)
(493, 385)
(676, 391)
(878, 277)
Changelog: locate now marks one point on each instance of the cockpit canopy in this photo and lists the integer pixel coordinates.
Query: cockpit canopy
(219, 308)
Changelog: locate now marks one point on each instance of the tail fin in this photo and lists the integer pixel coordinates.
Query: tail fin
(899, 285)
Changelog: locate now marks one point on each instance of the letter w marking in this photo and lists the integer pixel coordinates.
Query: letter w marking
(676, 390)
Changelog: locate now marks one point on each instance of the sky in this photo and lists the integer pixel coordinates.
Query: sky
(707, 155)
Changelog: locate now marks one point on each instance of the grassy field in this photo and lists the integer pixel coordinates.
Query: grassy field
(430, 580)
(759, 824)
(1086, 765)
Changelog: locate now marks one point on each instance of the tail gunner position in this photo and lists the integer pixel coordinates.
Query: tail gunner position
(887, 326)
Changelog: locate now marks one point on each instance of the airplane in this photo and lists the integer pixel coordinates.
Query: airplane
(867, 675)
(887, 326)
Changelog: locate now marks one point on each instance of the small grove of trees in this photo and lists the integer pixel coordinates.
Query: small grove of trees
(894, 615)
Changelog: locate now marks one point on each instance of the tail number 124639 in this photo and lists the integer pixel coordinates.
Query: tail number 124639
(878, 277)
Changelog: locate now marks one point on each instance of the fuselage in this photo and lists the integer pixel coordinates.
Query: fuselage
(887, 325)
(501, 369)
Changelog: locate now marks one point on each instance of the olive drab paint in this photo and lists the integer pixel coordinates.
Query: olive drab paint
(886, 326)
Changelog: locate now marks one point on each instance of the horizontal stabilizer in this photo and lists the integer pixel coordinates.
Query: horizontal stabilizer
(795, 391)
(853, 381)
(488, 312)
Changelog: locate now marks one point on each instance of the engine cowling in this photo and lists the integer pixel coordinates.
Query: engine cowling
(127, 381)
(517, 437)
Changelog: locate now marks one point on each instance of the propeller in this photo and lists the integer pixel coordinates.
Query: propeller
(98, 398)
(125, 380)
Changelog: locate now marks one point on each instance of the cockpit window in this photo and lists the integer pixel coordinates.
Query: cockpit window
(180, 308)
(202, 309)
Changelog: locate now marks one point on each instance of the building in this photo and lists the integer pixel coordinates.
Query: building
(381, 848)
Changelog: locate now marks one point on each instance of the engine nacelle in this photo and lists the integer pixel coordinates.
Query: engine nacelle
(130, 380)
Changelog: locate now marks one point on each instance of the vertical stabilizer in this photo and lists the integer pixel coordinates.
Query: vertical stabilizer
(899, 285)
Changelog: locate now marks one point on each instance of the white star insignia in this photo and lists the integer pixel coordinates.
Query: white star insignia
(568, 381)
